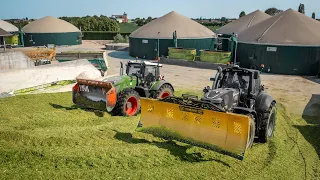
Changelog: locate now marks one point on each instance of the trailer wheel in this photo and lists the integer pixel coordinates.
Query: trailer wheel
(164, 91)
(128, 103)
(267, 130)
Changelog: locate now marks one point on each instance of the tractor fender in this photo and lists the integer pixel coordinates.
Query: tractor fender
(158, 84)
(143, 92)
(242, 110)
(263, 102)
(262, 105)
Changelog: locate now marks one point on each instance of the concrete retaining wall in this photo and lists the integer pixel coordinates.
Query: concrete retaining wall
(14, 60)
(194, 64)
(11, 80)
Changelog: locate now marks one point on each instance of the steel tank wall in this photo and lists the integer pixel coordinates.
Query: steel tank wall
(226, 44)
(319, 70)
(288, 60)
(41, 39)
(146, 47)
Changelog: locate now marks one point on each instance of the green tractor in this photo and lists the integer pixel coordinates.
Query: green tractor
(120, 95)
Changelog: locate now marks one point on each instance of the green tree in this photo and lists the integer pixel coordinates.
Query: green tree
(301, 8)
(120, 39)
(273, 11)
(149, 19)
(140, 22)
(93, 23)
(313, 15)
(242, 14)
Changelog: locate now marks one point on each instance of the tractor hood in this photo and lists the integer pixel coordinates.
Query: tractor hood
(113, 80)
(226, 98)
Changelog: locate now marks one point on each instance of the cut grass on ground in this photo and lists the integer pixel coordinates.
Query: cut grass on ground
(213, 28)
(128, 27)
(44, 137)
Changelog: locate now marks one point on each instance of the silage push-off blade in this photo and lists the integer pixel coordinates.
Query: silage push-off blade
(95, 94)
(227, 131)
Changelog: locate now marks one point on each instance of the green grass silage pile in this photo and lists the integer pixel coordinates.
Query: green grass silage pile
(45, 137)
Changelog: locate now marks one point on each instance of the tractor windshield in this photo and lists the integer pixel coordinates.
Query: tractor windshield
(150, 70)
(236, 80)
(133, 69)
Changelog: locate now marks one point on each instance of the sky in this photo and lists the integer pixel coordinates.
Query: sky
(143, 8)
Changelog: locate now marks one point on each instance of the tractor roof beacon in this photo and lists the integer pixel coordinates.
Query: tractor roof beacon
(230, 114)
(120, 95)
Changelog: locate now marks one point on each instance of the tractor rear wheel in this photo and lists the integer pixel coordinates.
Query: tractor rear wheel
(164, 91)
(267, 130)
(128, 103)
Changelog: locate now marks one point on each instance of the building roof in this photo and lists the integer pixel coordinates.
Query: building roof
(49, 24)
(4, 33)
(243, 23)
(287, 28)
(186, 28)
(8, 26)
(118, 16)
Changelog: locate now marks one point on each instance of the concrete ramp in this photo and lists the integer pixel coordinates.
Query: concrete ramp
(14, 60)
(11, 80)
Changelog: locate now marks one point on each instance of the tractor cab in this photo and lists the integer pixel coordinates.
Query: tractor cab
(246, 82)
(146, 72)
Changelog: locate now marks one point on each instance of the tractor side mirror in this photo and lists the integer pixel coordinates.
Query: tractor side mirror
(121, 69)
(206, 89)
(256, 75)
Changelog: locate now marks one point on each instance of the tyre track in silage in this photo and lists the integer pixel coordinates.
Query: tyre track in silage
(290, 123)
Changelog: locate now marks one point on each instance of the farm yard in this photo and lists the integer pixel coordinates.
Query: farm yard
(78, 93)
(44, 136)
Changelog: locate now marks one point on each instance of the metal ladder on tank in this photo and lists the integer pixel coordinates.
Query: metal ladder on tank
(218, 43)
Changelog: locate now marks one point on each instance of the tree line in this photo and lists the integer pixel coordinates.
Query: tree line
(87, 23)
(274, 11)
(143, 21)
(93, 23)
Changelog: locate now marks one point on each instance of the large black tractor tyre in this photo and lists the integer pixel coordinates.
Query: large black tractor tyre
(128, 103)
(164, 91)
(252, 131)
(267, 129)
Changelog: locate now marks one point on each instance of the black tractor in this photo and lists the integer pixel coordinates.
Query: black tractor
(239, 90)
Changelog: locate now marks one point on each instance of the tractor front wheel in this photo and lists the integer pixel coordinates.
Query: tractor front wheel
(128, 103)
(252, 131)
(164, 91)
(266, 132)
